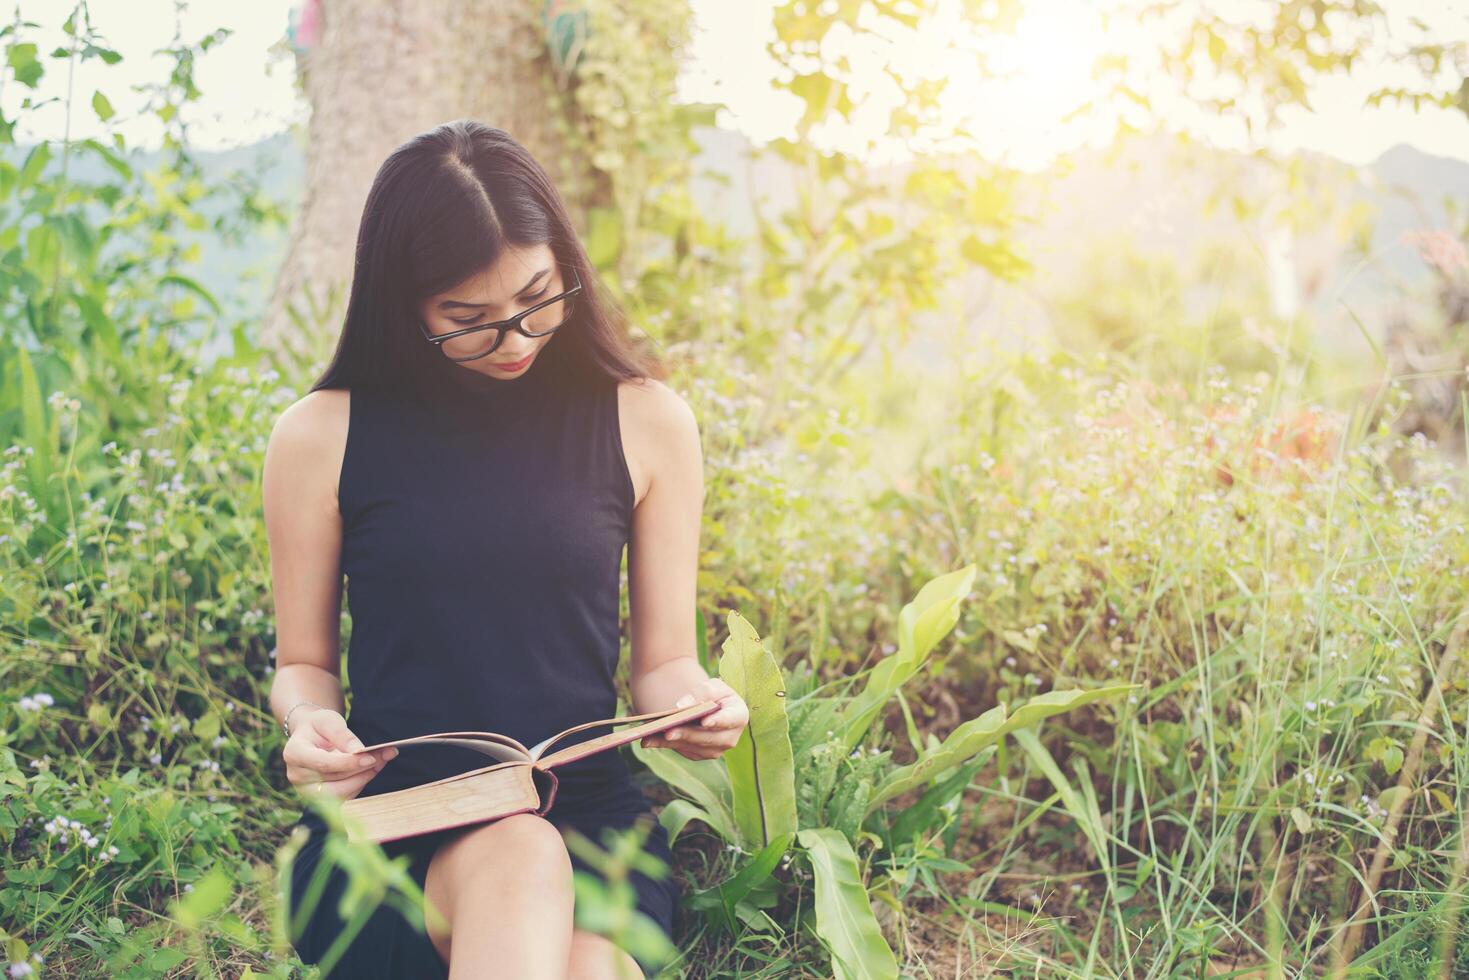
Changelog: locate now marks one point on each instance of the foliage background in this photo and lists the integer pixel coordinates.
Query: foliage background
(1257, 522)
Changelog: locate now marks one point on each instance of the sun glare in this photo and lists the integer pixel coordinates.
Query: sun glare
(1032, 79)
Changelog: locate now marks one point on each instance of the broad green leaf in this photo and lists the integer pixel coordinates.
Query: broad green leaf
(977, 733)
(962, 743)
(704, 782)
(761, 767)
(844, 919)
(1043, 706)
(676, 814)
(923, 816)
(921, 624)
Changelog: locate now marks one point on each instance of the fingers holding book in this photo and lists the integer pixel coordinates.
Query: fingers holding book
(323, 756)
(715, 733)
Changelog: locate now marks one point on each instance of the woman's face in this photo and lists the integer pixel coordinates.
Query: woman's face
(519, 279)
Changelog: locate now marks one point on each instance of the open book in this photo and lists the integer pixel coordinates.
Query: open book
(522, 782)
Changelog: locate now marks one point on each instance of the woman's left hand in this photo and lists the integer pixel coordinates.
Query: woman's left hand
(710, 736)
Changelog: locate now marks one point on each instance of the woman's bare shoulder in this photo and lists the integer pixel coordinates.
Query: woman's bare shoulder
(657, 426)
(651, 403)
(310, 439)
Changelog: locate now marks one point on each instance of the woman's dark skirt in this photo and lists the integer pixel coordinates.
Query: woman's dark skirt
(391, 947)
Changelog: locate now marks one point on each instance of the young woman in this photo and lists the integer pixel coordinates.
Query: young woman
(483, 444)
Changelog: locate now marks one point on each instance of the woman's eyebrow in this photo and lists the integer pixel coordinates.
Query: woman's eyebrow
(449, 304)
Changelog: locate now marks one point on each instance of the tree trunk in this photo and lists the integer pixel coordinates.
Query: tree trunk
(381, 72)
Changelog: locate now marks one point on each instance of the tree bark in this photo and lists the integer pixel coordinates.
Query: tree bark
(383, 71)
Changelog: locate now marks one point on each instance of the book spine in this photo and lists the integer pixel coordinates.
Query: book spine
(550, 791)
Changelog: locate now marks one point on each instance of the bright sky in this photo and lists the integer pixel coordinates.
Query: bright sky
(249, 89)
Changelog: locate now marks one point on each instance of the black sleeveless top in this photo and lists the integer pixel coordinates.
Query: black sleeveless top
(483, 528)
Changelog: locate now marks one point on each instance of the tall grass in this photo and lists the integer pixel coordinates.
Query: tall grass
(1286, 581)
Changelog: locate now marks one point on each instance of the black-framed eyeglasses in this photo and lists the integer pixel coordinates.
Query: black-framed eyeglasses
(472, 343)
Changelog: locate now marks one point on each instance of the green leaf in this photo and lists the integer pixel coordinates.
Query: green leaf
(844, 919)
(206, 726)
(1391, 796)
(33, 427)
(101, 106)
(976, 734)
(705, 782)
(923, 816)
(676, 814)
(192, 286)
(100, 716)
(35, 160)
(921, 624)
(815, 89)
(761, 769)
(1071, 798)
(733, 891)
(206, 898)
(28, 70)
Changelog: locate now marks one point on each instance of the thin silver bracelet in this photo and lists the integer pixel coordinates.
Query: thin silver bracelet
(286, 723)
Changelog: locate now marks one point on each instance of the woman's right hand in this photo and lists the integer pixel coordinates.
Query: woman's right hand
(323, 756)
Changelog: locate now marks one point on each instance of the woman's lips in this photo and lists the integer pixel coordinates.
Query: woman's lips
(515, 365)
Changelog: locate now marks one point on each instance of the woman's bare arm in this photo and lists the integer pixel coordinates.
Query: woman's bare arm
(303, 461)
(661, 441)
(299, 486)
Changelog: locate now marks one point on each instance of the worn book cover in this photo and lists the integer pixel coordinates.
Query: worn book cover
(523, 781)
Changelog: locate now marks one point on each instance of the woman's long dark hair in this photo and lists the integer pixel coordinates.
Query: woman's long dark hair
(443, 207)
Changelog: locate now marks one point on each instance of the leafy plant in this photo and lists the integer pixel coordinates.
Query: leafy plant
(799, 775)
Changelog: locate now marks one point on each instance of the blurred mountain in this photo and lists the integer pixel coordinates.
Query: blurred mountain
(1416, 191)
(1327, 236)
(1326, 233)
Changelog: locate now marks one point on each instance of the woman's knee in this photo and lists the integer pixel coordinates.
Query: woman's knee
(595, 957)
(524, 849)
